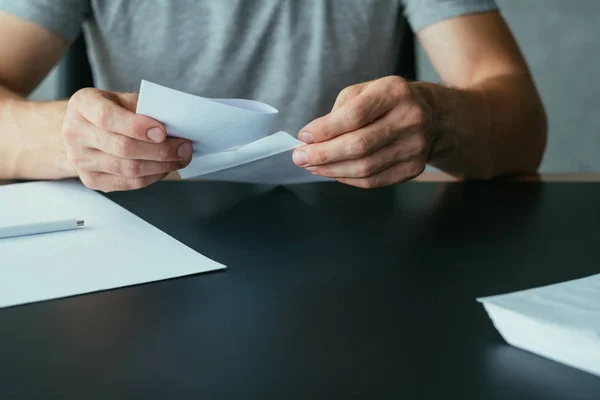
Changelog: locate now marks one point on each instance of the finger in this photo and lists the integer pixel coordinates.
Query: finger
(374, 101)
(399, 173)
(110, 183)
(366, 166)
(351, 146)
(348, 94)
(129, 101)
(172, 149)
(114, 112)
(97, 161)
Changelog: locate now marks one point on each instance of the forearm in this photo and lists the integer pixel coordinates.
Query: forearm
(30, 142)
(491, 129)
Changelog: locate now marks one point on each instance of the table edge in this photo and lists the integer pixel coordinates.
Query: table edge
(442, 177)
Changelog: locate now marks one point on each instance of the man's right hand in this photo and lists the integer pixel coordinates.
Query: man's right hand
(113, 148)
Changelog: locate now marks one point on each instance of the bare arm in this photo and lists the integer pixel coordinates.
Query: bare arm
(29, 131)
(95, 135)
(490, 119)
(486, 122)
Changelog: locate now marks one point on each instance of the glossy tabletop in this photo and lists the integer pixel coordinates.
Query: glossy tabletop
(330, 292)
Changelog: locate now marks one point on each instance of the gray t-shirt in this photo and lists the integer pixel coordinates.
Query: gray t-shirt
(295, 55)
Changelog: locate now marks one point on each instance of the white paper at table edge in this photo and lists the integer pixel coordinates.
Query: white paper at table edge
(493, 299)
(572, 281)
(274, 144)
(543, 344)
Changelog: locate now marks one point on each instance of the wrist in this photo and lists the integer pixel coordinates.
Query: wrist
(463, 146)
(13, 147)
(437, 114)
(450, 114)
(40, 151)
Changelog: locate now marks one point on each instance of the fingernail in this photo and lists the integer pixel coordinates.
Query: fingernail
(185, 163)
(305, 137)
(185, 150)
(156, 135)
(300, 158)
(311, 169)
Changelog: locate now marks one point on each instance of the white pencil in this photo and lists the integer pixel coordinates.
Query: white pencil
(38, 228)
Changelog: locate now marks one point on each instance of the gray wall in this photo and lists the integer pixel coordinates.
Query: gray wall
(561, 41)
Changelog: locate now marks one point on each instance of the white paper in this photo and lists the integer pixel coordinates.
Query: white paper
(114, 249)
(230, 136)
(560, 322)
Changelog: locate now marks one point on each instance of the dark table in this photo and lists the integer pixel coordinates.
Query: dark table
(331, 293)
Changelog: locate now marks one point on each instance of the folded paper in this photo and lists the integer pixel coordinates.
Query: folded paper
(230, 136)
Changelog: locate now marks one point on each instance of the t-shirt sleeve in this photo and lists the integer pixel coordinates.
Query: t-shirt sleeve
(63, 17)
(421, 13)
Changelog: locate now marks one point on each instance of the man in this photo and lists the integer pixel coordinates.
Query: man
(327, 65)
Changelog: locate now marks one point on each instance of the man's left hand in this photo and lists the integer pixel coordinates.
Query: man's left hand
(378, 133)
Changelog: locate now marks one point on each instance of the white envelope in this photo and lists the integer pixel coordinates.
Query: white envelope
(230, 137)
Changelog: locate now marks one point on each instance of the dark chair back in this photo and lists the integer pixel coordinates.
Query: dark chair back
(75, 72)
(407, 61)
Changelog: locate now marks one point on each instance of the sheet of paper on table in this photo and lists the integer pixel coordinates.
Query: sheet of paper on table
(560, 322)
(230, 136)
(114, 249)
